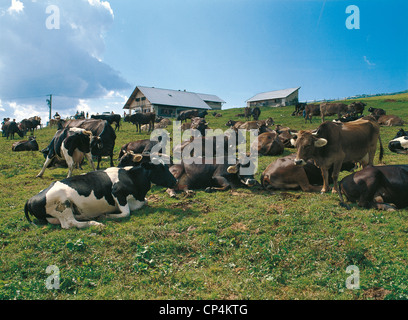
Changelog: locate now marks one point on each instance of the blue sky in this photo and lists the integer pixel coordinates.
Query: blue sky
(231, 48)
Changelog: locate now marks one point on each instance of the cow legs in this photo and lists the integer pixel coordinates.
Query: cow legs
(99, 162)
(89, 158)
(222, 182)
(131, 205)
(124, 212)
(172, 193)
(307, 187)
(325, 175)
(335, 176)
(46, 164)
(111, 160)
(64, 215)
(71, 165)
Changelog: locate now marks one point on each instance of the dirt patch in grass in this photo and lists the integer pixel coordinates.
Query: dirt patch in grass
(376, 293)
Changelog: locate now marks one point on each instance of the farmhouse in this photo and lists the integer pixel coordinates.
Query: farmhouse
(278, 98)
(169, 103)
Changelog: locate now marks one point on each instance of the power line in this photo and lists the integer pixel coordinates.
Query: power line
(23, 98)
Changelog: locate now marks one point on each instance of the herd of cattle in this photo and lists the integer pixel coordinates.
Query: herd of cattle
(319, 156)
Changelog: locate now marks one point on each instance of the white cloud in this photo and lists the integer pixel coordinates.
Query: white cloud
(368, 62)
(16, 7)
(104, 4)
(67, 62)
(25, 111)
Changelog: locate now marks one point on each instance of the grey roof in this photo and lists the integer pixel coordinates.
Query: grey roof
(169, 97)
(279, 94)
(210, 98)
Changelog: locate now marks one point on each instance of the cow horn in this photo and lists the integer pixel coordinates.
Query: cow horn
(232, 169)
(137, 158)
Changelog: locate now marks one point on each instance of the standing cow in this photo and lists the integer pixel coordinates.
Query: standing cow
(310, 111)
(10, 128)
(103, 135)
(140, 119)
(187, 114)
(111, 118)
(335, 143)
(114, 192)
(329, 109)
(70, 144)
(356, 108)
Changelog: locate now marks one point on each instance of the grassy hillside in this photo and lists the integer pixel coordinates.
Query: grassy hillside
(240, 244)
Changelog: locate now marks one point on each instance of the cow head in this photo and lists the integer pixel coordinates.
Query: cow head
(230, 123)
(96, 143)
(247, 178)
(306, 143)
(160, 174)
(269, 122)
(200, 125)
(130, 159)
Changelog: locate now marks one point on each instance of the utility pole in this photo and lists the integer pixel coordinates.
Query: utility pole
(49, 102)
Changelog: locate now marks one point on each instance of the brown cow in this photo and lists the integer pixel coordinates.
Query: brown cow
(356, 107)
(248, 112)
(253, 125)
(185, 126)
(390, 121)
(310, 111)
(329, 109)
(283, 174)
(200, 125)
(269, 144)
(335, 143)
(234, 124)
(377, 111)
(286, 135)
(268, 122)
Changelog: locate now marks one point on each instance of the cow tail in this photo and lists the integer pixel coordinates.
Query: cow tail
(381, 149)
(27, 213)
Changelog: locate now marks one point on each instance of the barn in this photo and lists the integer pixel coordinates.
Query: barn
(169, 103)
(279, 98)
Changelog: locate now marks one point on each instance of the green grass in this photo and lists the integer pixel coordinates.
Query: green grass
(241, 244)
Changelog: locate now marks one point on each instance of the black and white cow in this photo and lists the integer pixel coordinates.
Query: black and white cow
(400, 142)
(103, 137)
(114, 192)
(71, 145)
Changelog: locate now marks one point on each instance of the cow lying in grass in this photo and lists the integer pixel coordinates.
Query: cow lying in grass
(114, 192)
(379, 187)
(400, 143)
(30, 145)
(218, 175)
(284, 174)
